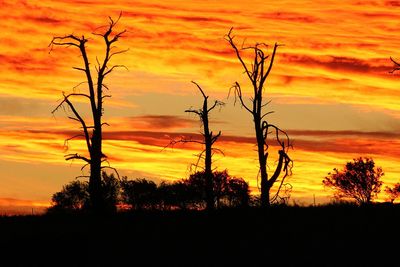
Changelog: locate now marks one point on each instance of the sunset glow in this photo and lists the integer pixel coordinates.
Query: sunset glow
(330, 88)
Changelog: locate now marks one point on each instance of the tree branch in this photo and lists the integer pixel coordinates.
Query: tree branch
(78, 117)
(76, 156)
(238, 94)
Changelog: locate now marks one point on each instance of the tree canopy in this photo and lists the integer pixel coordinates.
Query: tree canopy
(359, 180)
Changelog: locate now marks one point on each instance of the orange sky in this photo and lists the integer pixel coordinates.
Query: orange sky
(330, 87)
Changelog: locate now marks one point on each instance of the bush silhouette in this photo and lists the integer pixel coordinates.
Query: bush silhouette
(359, 180)
(73, 197)
(142, 194)
(228, 191)
(139, 193)
(393, 192)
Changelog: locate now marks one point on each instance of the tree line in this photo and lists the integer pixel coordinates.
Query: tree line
(143, 194)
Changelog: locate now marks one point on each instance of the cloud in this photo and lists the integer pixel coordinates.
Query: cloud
(161, 122)
(352, 134)
(27, 63)
(43, 19)
(340, 63)
(352, 142)
(21, 202)
(292, 17)
(175, 17)
(392, 3)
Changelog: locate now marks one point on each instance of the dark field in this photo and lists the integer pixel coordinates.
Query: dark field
(319, 236)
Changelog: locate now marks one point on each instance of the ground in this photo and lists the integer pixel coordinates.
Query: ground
(281, 236)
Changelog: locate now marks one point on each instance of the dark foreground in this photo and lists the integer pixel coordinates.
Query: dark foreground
(329, 236)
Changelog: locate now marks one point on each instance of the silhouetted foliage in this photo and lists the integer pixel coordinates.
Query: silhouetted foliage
(228, 191)
(139, 193)
(142, 194)
(393, 192)
(267, 134)
(237, 193)
(110, 191)
(359, 180)
(185, 194)
(73, 197)
(179, 195)
(91, 129)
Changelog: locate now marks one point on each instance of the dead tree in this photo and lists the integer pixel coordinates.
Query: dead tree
(257, 73)
(91, 130)
(208, 141)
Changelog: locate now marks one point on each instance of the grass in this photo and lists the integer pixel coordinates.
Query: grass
(282, 236)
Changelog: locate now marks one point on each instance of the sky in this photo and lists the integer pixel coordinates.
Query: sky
(330, 88)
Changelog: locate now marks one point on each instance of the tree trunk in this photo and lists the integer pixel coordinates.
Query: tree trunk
(95, 186)
(208, 160)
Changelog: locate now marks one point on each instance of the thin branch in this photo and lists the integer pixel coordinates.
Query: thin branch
(230, 38)
(238, 94)
(112, 168)
(113, 67)
(69, 139)
(85, 130)
(197, 112)
(172, 143)
(76, 156)
(216, 103)
(201, 90)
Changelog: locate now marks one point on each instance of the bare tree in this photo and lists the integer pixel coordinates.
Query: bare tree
(208, 141)
(257, 73)
(91, 130)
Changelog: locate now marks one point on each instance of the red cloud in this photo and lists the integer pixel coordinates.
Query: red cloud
(160, 122)
(289, 16)
(342, 64)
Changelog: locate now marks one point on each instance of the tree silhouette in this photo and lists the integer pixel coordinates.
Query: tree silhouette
(228, 191)
(111, 188)
(258, 74)
(208, 141)
(91, 130)
(73, 197)
(393, 192)
(179, 194)
(238, 193)
(139, 194)
(359, 180)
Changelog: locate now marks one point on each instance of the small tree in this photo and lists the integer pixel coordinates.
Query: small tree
(228, 191)
(359, 180)
(139, 193)
(111, 188)
(238, 193)
(179, 194)
(73, 197)
(393, 192)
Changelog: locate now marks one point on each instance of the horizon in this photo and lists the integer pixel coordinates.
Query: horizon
(330, 88)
